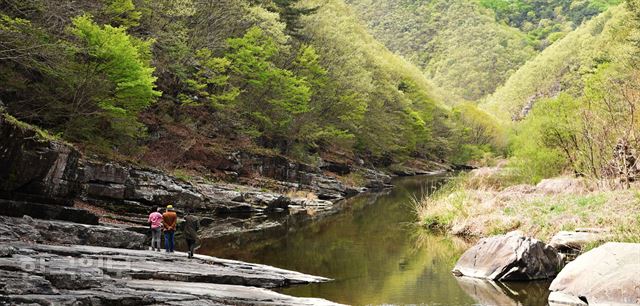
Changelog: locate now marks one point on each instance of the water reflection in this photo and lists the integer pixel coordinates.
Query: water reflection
(373, 252)
(506, 294)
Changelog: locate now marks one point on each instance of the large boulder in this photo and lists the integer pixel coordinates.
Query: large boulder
(510, 257)
(607, 275)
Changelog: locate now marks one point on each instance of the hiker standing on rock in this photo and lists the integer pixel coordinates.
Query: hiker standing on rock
(155, 222)
(191, 232)
(169, 221)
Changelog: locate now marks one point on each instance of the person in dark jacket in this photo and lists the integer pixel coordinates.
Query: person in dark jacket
(191, 228)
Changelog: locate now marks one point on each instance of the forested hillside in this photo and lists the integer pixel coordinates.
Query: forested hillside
(164, 81)
(573, 134)
(459, 45)
(575, 104)
(564, 66)
(179, 82)
(472, 47)
(545, 21)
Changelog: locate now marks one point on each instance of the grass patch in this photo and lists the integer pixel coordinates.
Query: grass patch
(484, 208)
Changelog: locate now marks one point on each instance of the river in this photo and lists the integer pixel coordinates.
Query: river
(376, 255)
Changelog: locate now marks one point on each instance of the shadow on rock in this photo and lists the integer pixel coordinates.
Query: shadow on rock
(506, 294)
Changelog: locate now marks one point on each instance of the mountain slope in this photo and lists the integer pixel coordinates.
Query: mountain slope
(563, 66)
(545, 21)
(459, 45)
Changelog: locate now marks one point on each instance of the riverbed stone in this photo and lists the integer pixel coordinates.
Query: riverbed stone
(607, 275)
(575, 241)
(20, 283)
(87, 275)
(510, 257)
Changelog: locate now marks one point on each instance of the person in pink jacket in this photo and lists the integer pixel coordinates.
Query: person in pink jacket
(155, 221)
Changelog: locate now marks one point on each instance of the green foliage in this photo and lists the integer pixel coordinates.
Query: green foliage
(583, 134)
(460, 47)
(123, 13)
(564, 65)
(290, 13)
(477, 134)
(123, 61)
(541, 19)
(90, 84)
(373, 94)
(270, 96)
(209, 82)
(538, 145)
(634, 7)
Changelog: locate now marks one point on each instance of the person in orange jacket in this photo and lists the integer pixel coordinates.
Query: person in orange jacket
(169, 223)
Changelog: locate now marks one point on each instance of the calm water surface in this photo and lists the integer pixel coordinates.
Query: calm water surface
(377, 256)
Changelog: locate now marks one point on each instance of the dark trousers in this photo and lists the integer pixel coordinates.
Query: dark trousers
(169, 240)
(191, 244)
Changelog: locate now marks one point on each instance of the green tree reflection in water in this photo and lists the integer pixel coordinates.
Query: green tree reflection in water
(375, 254)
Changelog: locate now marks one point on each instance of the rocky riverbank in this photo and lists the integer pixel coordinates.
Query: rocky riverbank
(60, 208)
(44, 177)
(569, 215)
(88, 275)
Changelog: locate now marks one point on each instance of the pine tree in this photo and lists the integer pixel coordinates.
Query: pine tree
(290, 13)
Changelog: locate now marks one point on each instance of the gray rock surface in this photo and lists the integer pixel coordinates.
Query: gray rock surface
(45, 231)
(607, 275)
(47, 171)
(510, 257)
(34, 165)
(376, 179)
(97, 276)
(574, 241)
(151, 292)
(48, 212)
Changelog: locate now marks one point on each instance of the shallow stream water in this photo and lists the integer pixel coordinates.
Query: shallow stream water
(377, 256)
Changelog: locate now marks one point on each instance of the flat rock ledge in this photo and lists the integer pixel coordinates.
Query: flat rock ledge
(607, 275)
(31, 230)
(89, 275)
(510, 257)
